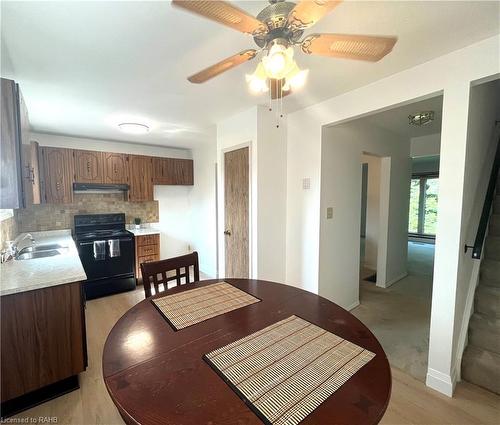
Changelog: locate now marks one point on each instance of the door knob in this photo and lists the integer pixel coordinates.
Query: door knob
(227, 232)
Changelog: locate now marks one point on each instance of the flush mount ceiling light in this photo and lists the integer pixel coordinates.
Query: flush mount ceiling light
(277, 30)
(133, 128)
(422, 118)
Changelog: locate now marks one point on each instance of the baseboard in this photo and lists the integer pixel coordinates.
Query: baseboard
(393, 281)
(440, 382)
(353, 305)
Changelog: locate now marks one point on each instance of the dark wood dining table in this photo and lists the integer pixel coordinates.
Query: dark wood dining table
(156, 375)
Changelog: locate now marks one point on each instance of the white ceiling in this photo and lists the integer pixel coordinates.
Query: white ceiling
(85, 66)
(396, 120)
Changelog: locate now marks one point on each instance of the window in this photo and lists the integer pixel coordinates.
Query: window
(423, 205)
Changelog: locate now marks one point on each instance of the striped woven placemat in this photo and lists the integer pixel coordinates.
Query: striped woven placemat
(285, 371)
(197, 305)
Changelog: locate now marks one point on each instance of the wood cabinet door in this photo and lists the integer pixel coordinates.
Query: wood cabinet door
(10, 148)
(57, 175)
(31, 174)
(88, 166)
(173, 171)
(141, 178)
(116, 168)
(43, 338)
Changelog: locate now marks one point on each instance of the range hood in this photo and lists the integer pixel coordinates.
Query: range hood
(99, 187)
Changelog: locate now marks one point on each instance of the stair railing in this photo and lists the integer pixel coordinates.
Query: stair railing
(488, 202)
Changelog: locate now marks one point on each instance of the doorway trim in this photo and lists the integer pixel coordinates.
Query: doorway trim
(252, 231)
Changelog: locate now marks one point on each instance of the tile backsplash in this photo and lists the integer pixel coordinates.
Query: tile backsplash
(60, 216)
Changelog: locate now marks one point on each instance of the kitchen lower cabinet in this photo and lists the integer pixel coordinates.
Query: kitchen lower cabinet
(147, 250)
(43, 340)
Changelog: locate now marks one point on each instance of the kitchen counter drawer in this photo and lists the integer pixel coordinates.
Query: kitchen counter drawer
(147, 250)
(147, 240)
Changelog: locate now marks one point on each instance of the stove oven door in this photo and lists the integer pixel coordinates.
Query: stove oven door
(106, 266)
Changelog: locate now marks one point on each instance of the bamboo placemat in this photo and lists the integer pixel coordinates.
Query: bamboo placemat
(286, 370)
(197, 305)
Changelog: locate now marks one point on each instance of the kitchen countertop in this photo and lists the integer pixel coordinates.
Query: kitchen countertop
(144, 231)
(26, 275)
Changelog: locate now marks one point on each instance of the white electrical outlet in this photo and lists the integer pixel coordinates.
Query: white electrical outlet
(329, 213)
(306, 183)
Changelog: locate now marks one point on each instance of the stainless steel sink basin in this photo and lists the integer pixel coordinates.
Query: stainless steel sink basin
(41, 248)
(47, 247)
(38, 254)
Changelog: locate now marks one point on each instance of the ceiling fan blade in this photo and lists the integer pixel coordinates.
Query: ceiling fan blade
(307, 12)
(222, 66)
(275, 86)
(361, 47)
(224, 13)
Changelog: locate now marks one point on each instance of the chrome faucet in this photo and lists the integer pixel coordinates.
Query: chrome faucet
(19, 239)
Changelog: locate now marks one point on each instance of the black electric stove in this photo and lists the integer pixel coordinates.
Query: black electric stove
(107, 252)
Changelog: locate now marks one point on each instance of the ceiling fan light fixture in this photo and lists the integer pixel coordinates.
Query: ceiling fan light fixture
(133, 128)
(278, 61)
(298, 80)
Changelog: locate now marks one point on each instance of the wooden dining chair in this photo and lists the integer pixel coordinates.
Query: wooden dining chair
(157, 272)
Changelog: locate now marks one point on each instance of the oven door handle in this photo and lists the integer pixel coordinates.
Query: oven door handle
(92, 243)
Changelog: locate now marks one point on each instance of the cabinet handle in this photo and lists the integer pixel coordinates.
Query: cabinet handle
(88, 166)
(32, 175)
(114, 169)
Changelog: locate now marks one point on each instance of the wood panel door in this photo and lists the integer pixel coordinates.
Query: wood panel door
(10, 148)
(89, 166)
(236, 212)
(116, 168)
(173, 171)
(57, 175)
(141, 178)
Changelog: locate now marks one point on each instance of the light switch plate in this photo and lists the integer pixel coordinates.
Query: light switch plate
(329, 213)
(306, 183)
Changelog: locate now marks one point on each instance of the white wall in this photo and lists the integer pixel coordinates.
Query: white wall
(480, 60)
(187, 213)
(235, 132)
(425, 145)
(271, 196)
(372, 210)
(202, 200)
(256, 128)
(342, 152)
(484, 109)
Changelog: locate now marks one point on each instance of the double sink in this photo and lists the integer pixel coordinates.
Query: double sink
(40, 251)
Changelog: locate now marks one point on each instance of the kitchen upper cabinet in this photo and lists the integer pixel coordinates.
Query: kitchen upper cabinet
(173, 171)
(89, 166)
(31, 174)
(58, 171)
(11, 191)
(116, 168)
(141, 178)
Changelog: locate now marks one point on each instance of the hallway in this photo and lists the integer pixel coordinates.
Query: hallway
(399, 316)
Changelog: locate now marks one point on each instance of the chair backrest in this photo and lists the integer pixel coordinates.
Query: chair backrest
(156, 272)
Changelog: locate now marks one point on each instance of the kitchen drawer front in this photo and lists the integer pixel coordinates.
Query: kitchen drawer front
(147, 259)
(147, 240)
(144, 251)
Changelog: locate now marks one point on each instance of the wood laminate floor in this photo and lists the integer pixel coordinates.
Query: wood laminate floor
(411, 401)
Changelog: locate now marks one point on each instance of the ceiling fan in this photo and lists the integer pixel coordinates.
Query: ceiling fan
(276, 30)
